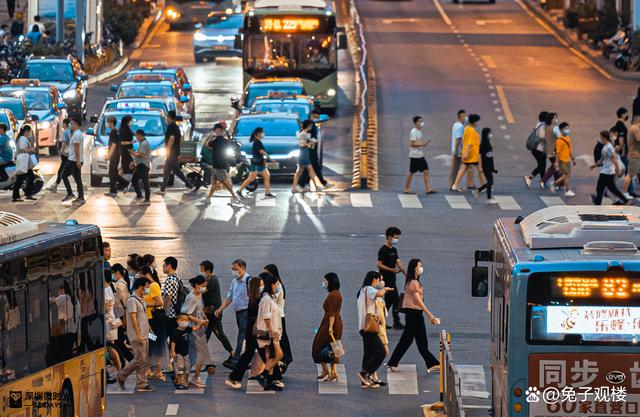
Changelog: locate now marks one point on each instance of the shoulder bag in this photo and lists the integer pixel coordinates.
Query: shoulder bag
(371, 321)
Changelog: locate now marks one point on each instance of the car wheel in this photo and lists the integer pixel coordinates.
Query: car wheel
(96, 180)
(53, 150)
(66, 401)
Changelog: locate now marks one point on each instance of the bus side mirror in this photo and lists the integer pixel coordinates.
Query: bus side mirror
(341, 38)
(479, 281)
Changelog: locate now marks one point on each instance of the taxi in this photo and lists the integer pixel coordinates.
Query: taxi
(151, 120)
(279, 138)
(152, 85)
(218, 36)
(45, 102)
(175, 73)
(264, 87)
(8, 119)
(281, 103)
(18, 108)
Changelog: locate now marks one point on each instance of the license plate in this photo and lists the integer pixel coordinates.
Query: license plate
(220, 47)
(273, 165)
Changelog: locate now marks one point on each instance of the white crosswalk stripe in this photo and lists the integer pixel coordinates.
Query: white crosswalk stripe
(409, 201)
(458, 202)
(507, 202)
(172, 410)
(552, 200)
(361, 200)
(334, 387)
(405, 381)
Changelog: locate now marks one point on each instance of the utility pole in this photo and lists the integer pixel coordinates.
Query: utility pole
(80, 28)
(60, 20)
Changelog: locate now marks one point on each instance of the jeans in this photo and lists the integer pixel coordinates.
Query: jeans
(114, 177)
(373, 352)
(609, 182)
(414, 329)
(139, 364)
(172, 166)
(141, 174)
(70, 169)
(541, 161)
(391, 299)
(242, 317)
(551, 171)
(215, 327)
(20, 179)
(487, 185)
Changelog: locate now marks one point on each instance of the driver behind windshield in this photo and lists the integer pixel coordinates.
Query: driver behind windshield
(317, 58)
(6, 152)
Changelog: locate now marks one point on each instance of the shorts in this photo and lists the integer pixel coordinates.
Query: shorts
(257, 168)
(634, 167)
(181, 364)
(470, 163)
(219, 174)
(564, 167)
(418, 165)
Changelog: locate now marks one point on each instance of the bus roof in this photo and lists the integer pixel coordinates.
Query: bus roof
(20, 237)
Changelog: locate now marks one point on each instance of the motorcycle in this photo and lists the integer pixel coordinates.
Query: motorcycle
(7, 185)
(616, 44)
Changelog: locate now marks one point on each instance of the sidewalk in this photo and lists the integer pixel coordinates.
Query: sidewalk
(553, 19)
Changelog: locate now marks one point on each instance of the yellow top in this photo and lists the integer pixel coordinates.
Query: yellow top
(470, 145)
(154, 291)
(563, 148)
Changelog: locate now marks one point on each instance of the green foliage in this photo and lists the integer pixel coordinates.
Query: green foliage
(125, 21)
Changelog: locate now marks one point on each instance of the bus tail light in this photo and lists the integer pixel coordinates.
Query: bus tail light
(517, 392)
(517, 407)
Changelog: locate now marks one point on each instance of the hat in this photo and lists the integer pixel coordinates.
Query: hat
(197, 280)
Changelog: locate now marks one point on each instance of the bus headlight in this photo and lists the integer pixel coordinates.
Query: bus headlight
(159, 153)
(199, 36)
(102, 152)
(294, 154)
(230, 152)
(331, 92)
(172, 14)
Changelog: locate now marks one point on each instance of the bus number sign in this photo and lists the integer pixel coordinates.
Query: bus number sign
(288, 24)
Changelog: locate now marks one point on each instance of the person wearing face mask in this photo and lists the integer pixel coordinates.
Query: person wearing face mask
(564, 155)
(551, 133)
(330, 328)
(158, 351)
(259, 156)
(180, 350)
(609, 167)
(488, 168)
(414, 308)
(172, 286)
(25, 145)
(538, 150)
(238, 299)
(281, 296)
(194, 308)
(389, 265)
(470, 152)
(269, 325)
(633, 155)
(417, 161)
(138, 331)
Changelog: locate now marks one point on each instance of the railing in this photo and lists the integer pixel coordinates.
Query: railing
(450, 393)
(365, 121)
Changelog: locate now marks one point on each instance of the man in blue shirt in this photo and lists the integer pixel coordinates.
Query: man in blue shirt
(238, 298)
(6, 152)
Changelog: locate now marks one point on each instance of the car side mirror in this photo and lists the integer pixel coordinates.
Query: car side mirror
(341, 38)
(83, 77)
(93, 119)
(323, 118)
(184, 99)
(479, 281)
(114, 87)
(187, 87)
(198, 25)
(90, 131)
(235, 103)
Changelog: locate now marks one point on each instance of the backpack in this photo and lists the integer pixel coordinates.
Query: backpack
(180, 297)
(533, 139)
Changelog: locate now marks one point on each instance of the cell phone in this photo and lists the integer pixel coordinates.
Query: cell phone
(152, 336)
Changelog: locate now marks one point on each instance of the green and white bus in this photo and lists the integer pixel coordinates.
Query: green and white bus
(294, 38)
(564, 301)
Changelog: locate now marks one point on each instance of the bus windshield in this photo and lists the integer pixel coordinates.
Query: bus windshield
(583, 309)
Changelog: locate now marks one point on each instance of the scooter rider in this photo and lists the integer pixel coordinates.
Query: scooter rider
(6, 152)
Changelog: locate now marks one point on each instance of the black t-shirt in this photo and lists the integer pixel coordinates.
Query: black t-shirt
(173, 130)
(597, 152)
(219, 147)
(181, 338)
(621, 129)
(114, 139)
(256, 157)
(389, 258)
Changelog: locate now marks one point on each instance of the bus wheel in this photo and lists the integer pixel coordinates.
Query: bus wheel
(66, 400)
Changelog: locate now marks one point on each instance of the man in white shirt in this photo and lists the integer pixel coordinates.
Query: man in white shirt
(74, 164)
(416, 156)
(456, 149)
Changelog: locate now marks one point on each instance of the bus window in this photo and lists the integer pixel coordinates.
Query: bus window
(91, 325)
(14, 356)
(63, 319)
(36, 269)
(61, 260)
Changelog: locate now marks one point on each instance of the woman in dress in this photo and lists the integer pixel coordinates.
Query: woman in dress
(305, 143)
(158, 349)
(269, 332)
(287, 357)
(331, 326)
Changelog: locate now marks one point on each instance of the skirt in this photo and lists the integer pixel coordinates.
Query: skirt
(198, 348)
(304, 159)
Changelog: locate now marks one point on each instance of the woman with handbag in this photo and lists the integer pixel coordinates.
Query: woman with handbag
(287, 357)
(158, 348)
(413, 306)
(369, 326)
(25, 155)
(194, 308)
(330, 329)
(269, 332)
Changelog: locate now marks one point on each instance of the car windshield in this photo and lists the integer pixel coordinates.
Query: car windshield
(224, 21)
(4, 119)
(302, 110)
(15, 106)
(271, 126)
(152, 124)
(147, 104)
(50, 71)
(262, 90)
(36, 100)
(145, 89)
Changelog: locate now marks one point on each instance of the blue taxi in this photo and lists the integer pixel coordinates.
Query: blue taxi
(152, 85)
(265, 87)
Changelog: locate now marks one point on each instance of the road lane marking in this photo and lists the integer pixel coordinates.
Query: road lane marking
(458, 202)
(403, 382)
(488, 60)
(172, 410)
(399, 20)
(361, 200)
(507, 202)
(498, 21)
(505, 104)
(564, 43)
(443, 14)
(472, 381)
(409, 201)
(339, 387)
(253, 387)
(552, 201)
(194, 390)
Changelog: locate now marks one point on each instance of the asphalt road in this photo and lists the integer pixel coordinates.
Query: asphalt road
(494, 60)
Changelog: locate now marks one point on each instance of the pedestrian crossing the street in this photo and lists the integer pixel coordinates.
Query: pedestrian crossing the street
(335, 387)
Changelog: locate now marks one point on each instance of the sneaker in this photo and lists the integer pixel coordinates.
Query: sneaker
(319, 188)
(146, 202)
(182, 387)
(53, 188)
(380, 383)
(393, 368)
(228, 364)
(31, 198)
(433, 369)
(240, 194)
(459, 189)
(527, 181)
(570, 193)
(476, 194)
(278, 384)
(626, 195)
(78, 202)
(161, 192)
(232, 384)
(327, 185)
(541, 185)
(492, 201)
(146, 388)
(137, 200)
(364, 377)
(68, 197)
(110, 194)
(234, 201)
(553, 187)
(269, 195)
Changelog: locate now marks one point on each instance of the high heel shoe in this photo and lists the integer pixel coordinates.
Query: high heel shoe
(323, 377)
(333, 377)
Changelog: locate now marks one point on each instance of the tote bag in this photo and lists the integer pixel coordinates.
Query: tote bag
(22, 163)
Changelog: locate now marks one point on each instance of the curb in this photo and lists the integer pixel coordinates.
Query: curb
(118, 66)
(604, 67)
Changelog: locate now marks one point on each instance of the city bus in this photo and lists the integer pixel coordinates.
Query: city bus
(564, 300)
(294, 38)
(52, 354)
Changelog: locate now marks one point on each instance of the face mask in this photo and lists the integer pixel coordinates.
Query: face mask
(183, 324)
(566, 132)
(421, 124)
(466, 120)
(261, 289)
(490, 135)
(325, 284)
(394, 241)
(380, 285)
(277, 290)
(203, 290)
(420, 270)
(146, 291)
(235, 273)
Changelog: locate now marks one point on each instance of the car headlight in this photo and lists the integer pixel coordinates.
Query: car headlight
(331, 92)
(44, 125)
(69, 95)
(294, 154)
(159, 153)
(199, 36)
(102, 152)
(230, 152)
(172, 13)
